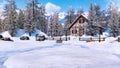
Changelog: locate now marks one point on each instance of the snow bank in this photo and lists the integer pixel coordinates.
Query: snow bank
(105, 34)
(6, 34)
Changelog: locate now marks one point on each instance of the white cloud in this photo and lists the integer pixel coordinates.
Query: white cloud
(50, 8)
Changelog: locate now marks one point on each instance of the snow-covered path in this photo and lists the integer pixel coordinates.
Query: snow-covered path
(4, 55)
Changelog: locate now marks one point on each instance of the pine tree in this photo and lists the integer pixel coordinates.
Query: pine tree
(10, 14)
(20, 20)
(97, 20)
(114, 20)
(103, 22)
(91, 26)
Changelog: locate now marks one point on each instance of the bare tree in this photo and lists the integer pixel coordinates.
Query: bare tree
(55, 27)
(31, 16)
(10, 16)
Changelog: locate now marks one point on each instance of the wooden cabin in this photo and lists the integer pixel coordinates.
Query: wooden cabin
(78, 27)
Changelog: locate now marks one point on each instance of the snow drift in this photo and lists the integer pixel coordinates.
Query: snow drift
(6, 34)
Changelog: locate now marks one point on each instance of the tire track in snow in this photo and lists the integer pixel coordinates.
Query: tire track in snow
(5, 55)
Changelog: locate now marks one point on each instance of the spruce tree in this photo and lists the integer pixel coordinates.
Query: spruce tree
(93, 24)
(114, 20)
(90, 26)
(97, 20)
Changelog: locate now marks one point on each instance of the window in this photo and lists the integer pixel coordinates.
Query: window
(74, 31)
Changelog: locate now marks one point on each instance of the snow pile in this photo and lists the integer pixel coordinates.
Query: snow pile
(105, 34)
(6, 34)
(86, 36)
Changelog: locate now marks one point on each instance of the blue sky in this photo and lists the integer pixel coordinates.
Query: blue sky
(63, 5)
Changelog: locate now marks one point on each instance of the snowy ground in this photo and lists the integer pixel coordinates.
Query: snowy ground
(49, 54)
(8, 49)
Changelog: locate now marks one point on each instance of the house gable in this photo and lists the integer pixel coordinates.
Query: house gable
(78, 19)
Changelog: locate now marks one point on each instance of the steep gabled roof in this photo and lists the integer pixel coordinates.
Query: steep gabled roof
(77, 20)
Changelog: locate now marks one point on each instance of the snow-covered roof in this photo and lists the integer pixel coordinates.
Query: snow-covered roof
(85, 15)
(77, 18)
